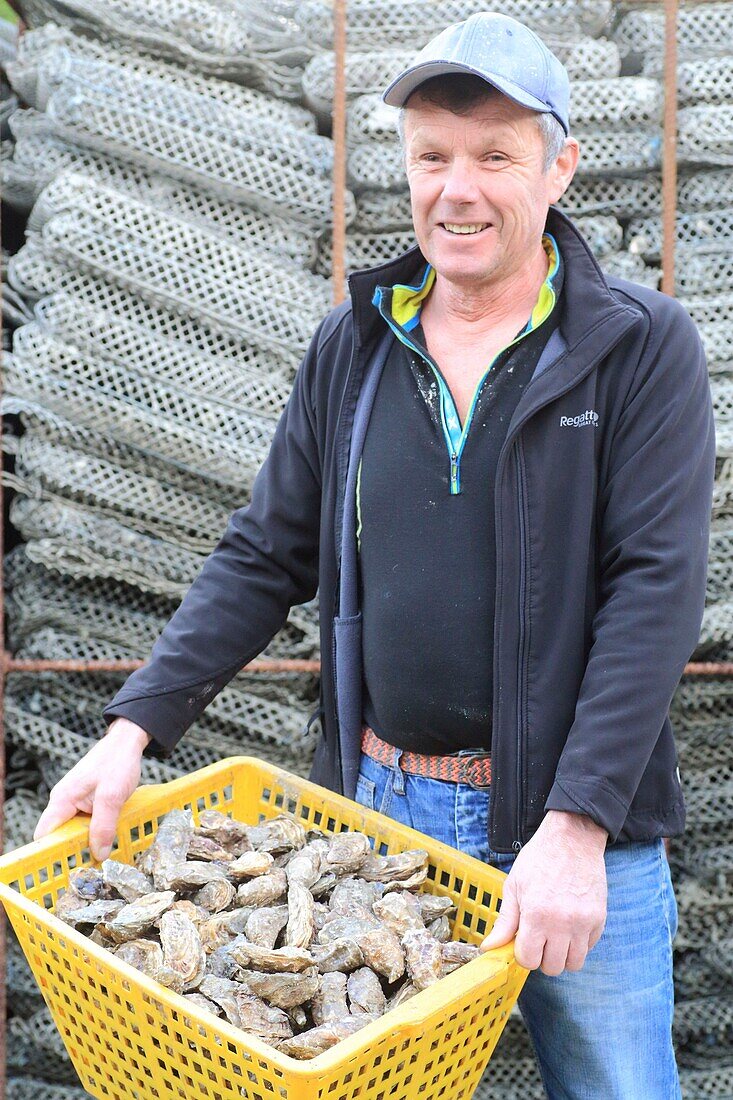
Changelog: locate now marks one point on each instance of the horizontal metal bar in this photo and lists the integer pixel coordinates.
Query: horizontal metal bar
(262, 666)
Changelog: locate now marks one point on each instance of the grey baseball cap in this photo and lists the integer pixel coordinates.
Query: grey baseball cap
(503, 52)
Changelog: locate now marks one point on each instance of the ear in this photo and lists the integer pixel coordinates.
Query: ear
(560, 174)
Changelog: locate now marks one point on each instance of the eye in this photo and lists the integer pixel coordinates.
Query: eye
(496, 158)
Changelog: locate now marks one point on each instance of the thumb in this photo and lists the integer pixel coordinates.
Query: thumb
(507, 923)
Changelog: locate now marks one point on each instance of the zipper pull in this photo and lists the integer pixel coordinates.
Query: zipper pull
(455, 485)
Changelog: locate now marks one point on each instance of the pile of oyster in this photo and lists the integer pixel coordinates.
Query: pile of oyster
(294, 936)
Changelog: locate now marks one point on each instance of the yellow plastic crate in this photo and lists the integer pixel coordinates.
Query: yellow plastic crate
(129, 1037)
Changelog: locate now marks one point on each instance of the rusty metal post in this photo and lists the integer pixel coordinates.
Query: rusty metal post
(669, 146)
(338, 247)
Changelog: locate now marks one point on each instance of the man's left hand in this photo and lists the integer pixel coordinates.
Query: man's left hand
(555, 895)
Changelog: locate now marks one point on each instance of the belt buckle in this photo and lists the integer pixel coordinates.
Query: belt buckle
(472, 773)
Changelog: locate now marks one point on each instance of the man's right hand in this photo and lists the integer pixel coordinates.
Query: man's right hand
(99, 785)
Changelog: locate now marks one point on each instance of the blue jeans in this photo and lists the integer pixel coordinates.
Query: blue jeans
(600, 1033)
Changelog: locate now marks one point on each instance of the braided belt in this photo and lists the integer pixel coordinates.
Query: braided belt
(472, 768)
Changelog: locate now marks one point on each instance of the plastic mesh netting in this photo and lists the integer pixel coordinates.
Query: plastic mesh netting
(241, 40)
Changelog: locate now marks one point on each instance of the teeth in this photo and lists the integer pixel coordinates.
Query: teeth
(465, 228)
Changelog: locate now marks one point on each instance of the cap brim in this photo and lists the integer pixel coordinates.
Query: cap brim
(400, 90)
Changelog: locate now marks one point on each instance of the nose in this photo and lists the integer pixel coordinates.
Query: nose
(460, 183)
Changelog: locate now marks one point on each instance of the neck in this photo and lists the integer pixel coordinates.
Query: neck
(481, 309)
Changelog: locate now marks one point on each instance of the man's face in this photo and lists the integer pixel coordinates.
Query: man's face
(482, 170)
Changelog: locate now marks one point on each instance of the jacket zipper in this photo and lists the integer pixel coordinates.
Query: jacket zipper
(523, 646)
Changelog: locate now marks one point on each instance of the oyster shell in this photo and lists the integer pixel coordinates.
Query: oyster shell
(423, 957)
(283, 990)
(249, 865)
(215, 896)
(304, 869)
(138, 916)
(283, 960)
(264, 890)
(347, 852)
(184, 874)
(126, 880)
(346, 928)
(399, 910)
(88, 884)
(344, 955)
(145, 955)
(204, 848)
(277, 835)
(394, 868)
(230, 834)
(433, 906)
(170, 845)
(365, 993)
(329, 1003)
(265, 925)
(455, 954)
(301, 926)
(94, 912)
(223, 993)
(220, 930)
(440, 929)
(355, 891)
(319, 1039)
(182, 950)
(383, 952)
(202, 1003)
(258, 1018)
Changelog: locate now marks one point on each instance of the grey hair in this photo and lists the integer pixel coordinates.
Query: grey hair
(553, 136)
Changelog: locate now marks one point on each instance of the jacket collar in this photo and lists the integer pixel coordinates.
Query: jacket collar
(585, 302)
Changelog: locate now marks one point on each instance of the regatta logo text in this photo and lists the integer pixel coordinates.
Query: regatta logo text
(586, 420)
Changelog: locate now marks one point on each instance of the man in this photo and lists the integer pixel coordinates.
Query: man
(497, 468)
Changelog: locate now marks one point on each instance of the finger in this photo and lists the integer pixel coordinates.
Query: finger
(596, 935)
(529, 946)
(60, 808)
(577, 953)
(506, 923)
(103, 826)
(554, 955)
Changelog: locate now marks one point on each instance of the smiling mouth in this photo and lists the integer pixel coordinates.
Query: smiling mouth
(469, 230)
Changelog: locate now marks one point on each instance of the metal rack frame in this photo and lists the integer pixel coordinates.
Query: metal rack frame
(669, 209)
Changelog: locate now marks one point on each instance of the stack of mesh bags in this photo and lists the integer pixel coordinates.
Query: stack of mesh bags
(616, 119)
(163, 298)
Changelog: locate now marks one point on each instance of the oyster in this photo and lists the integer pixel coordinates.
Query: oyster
(205, 848)
(138, 916)
(329, 1003)
(202, 1002)
(433, 906)
(277, 835)
(283, 960)
(346, 928)
(394, 868)
(182, 950)
(399, 910)
(88, 884)
(404, 993)
(440, 929)
(355, 891)
(455, 954)
(224, 994)
(301, 926)
(265, 925)
(184, 874)
(344, 955)
(220, 930)
(169, 846)
(249, 865)
(347, 852)
(220, 964)
(230, 834)
(314, 1042)
(304, 869)
(92, 913)
(423, 957)
(126, 880)
(215, 896)
(145, 955)
(383, 952)
(365, 992)
(283, 990)
(264, 890)
(258, 1018)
